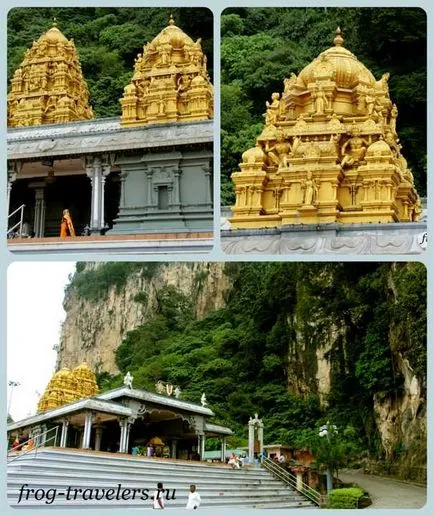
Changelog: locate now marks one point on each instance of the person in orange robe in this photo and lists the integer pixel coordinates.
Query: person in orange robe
(66, 225)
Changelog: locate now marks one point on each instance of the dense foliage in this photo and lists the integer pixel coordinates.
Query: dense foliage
(262, 46)
(107, 41)
(94, 284)
(258, 353)
(346, 498)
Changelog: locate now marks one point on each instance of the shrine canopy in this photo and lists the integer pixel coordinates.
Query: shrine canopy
(329, 151)
(48, 87)
(170, 82)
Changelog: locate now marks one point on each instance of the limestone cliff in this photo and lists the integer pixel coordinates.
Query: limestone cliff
(324, 343)
(93, 329)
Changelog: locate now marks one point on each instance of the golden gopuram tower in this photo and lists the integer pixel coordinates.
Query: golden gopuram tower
(329, 151)
(170, 82)
(67, 386)
(48, 87)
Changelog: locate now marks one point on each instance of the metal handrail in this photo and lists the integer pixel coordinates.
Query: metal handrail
(291, 480)
(20, 222)
(41, 443)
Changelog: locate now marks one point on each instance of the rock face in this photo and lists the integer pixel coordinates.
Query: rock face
(93, 330)
(319, 350)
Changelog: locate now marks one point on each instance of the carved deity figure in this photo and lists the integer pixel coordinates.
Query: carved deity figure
(203, 400)
(272, 109)
(278, 153)
(128, 380)
(393, 117)
(310, 190)
(321, 102)
(370, 103)
(354, 149)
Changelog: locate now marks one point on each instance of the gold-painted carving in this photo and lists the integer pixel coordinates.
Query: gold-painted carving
(67, 386)
(48, 87)
(329, 151)
(170, 82)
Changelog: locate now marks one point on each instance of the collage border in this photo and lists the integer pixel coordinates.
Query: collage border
(216, 6)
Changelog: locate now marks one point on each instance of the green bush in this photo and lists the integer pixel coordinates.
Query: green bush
(345, 498)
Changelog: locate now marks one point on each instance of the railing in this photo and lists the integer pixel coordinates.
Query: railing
(19, 224)
(291, 480)
(43, 439)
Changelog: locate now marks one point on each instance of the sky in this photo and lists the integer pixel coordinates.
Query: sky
(35, 314)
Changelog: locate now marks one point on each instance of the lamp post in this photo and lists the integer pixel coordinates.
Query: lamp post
(12, 385)
(325, 431)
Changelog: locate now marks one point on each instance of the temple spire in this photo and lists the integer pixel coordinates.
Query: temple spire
(170, 81)
(339, 40)
(48, 86)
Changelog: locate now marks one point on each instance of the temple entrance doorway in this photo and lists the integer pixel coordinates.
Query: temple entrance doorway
(46, 198)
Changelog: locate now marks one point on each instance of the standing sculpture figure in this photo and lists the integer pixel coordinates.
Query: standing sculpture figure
(393, 117)
(321, 101)
(311, 190)
(128, 380)
(203, 400)
(66, 225)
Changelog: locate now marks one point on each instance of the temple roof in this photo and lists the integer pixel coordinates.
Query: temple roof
(48, 87)
(340, 64)
(170, 81)
(173, 36)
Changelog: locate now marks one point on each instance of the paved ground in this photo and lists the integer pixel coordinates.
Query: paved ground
(386, 492)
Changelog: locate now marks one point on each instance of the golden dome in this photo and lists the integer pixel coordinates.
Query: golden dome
(172, 35)
(379, 148)
(340, 65)
(53, 35)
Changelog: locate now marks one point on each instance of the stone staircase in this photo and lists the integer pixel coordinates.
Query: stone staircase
(51, 471)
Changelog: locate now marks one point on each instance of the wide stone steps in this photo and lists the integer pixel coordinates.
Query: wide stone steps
(219, 486)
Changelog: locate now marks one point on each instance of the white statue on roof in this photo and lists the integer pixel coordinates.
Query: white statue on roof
(177, 392)
(203, 400)
(128, 380)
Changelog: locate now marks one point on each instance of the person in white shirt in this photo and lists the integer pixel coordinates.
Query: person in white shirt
(193, 498)
(159, 496)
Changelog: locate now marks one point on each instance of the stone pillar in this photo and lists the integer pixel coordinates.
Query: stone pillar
(125, 435)
(251, 441)
(149, 187)
(202, 447)
(36, 433)
(97, 169)
(39, 220)
(199, 445)
(174, 448)
(87, 431)
(123, 177)
(261, 437)
(176, 188)
(64, 435)
(223, 449)
(122, 436)
(299, 484)
(98, 436)
(208, 185)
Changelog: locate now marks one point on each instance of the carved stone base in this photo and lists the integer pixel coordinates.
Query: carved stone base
(357, 239)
